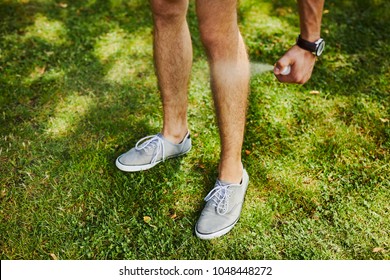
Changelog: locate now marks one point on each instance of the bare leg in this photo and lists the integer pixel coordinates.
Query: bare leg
(173, 60)
(229, 67)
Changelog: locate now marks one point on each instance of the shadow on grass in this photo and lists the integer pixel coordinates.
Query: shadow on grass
(354, 65)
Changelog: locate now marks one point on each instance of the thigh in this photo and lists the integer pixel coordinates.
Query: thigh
(217, 15)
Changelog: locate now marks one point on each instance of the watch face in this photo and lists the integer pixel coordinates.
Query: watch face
(320, 47)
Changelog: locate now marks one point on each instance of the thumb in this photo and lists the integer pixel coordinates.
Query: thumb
(281, 65)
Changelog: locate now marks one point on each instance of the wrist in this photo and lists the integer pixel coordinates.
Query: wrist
(310, 37)
(316, 47)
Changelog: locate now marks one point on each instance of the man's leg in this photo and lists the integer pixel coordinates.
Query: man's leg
(229, 67)
(230, 74)
(173, 60)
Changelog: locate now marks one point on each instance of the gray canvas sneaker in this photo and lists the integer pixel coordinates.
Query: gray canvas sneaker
(222, 210)
(150, 151)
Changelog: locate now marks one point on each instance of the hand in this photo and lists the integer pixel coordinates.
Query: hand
(301, 62)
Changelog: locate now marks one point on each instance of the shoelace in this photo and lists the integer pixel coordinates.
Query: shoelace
(220, 194)
(149, 142)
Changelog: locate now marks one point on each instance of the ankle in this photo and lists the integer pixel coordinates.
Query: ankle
(175, 137)
(231, 173)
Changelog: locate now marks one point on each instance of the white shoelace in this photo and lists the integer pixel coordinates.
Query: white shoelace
(220, 194)
(152, 142)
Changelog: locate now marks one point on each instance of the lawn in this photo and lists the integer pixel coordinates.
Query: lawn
(77, 89)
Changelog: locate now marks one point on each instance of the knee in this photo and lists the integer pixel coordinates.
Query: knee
(217, 41)
(210, 37)
(168, 11)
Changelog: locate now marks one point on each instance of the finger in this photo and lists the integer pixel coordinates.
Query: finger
(284, 78)
(286, 75)
(281, 65)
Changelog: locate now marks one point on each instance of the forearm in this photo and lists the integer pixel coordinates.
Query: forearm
(310, 14)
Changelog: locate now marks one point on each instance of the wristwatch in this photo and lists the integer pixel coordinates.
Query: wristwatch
(316, 47)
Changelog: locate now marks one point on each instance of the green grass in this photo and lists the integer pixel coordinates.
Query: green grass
(77, 88)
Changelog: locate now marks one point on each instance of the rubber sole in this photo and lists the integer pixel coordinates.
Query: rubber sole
(135, 168)
(215, 234)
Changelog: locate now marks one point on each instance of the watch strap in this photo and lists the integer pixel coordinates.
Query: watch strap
(306, 45)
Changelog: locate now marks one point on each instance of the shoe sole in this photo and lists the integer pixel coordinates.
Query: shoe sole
(135, 168)
(215, 234)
